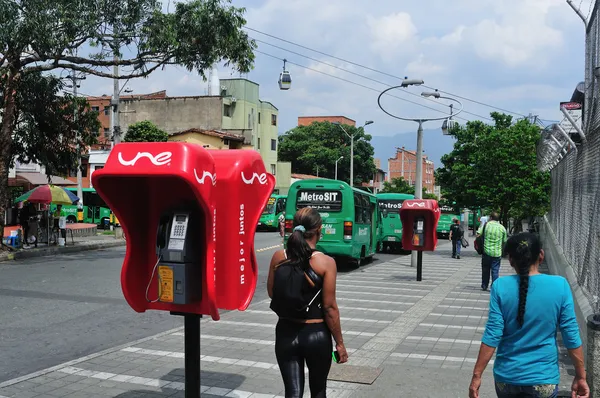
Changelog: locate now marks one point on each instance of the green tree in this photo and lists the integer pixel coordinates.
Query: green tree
(317, 146)
(145, 131)
(87, 36)
(45, 131)
(494, 166)
(398, 185)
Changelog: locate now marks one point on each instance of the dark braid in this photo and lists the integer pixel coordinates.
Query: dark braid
(523, 250)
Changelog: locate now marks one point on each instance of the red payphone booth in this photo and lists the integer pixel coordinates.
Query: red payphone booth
(419, 224)
(189, 216)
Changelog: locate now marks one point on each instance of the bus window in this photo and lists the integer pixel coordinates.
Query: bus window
(319, 200)
(280, 206)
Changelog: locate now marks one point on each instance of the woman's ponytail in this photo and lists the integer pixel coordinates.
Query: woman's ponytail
(523, 250)
(306, 224)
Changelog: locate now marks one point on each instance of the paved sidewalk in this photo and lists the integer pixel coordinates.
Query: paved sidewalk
(77, 244)
(424, 335)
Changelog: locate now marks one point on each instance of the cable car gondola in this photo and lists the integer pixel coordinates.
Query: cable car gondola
(285, 79)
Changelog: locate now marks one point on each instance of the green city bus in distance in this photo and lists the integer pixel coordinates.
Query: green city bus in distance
(95, 210)
(269, 219)
(350, 217)
(391, 225)
(447, 213)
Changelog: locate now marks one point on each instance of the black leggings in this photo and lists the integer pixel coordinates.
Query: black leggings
(297, 342)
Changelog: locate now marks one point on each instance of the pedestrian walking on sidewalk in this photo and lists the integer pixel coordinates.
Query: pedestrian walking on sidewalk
(494, 238)
(525, 312)
(456, 234)
(301, 285)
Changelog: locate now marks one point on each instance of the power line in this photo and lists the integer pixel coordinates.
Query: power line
(362, 76)
(352, 82)
(374, 70)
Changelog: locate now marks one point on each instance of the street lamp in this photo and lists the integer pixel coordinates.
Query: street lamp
(419, 171)
(336, 162)
(352, 148)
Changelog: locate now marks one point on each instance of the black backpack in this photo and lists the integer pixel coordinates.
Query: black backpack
(295, 290)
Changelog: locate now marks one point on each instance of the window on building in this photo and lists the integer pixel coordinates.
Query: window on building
(273, 120)
(227, 110)
(106, 131)
(226, 141)
(273, 145)
(96, 108)
(107, 110)
(258, 117)
(258, 143)
(273, 169)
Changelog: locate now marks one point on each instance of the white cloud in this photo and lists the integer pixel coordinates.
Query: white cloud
(389, 33)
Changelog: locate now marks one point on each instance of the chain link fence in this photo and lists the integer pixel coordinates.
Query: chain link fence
(575, 213)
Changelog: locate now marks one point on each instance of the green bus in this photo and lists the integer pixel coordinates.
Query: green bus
(269, 219)
(447, 213)
(95, 210)
(350, 217)
(391, 225)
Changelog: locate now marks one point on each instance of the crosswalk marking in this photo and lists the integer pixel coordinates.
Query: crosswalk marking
(342, 318)
(435, 357)
(438, 325)
(146, 381)
(459, 316)
(374, 301)
(362, 286)
(458, 307)
(272, 325)
(380, 281)
(379, 294)
(442, 340)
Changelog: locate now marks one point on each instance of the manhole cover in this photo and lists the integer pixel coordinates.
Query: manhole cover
(354, 374)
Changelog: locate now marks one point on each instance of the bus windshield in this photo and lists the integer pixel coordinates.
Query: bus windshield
(330, 200)
(392, 206)
(270, 207)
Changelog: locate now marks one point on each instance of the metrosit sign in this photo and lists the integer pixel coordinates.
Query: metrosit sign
(141, 181)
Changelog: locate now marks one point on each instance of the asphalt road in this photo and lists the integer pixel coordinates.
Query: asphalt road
(55, 309)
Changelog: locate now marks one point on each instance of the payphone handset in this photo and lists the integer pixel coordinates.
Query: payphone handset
(179, 251)
(419, 231)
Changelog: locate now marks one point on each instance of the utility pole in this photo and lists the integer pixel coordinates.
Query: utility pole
(116, 91)
(75, 81)
(115, 105)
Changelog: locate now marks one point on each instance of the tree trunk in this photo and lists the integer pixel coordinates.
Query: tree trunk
(6, 129)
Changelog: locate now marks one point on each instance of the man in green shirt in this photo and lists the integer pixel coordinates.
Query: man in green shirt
(494, 239)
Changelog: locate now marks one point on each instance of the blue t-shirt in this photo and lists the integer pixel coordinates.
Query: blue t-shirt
(529, 356)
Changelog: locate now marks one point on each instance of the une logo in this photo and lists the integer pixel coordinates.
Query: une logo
(212, 177)
(262, 178)
(421, 204)
(159, 160)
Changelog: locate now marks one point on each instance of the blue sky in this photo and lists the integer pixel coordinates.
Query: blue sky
(521, 55)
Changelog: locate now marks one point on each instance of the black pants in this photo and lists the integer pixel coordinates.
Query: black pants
(296, 343)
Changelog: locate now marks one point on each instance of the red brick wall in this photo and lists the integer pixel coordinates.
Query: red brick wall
(410, 169)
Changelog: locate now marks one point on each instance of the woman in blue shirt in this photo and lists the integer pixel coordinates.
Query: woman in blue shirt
(525, 312)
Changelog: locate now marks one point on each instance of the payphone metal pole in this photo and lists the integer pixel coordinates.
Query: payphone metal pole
(419, 265)
(191, 326)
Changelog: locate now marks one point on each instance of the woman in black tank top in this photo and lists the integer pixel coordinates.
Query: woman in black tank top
(301, 285)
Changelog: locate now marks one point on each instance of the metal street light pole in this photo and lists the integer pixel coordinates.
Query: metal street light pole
(416, 258)
(336, 162)
(352, 148)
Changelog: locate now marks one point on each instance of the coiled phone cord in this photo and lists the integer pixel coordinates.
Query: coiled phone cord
(159, 282)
